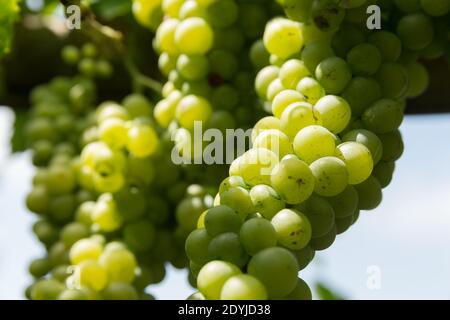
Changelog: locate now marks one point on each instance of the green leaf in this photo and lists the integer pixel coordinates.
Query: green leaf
(325, 293)
(18, 138)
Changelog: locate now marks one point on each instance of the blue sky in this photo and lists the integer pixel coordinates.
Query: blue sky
(405, 239)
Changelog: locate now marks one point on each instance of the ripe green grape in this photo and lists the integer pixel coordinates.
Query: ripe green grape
(283, 99)
(333, 74)
(191, 109)
(46, 289)
(105, 215)
(239, 200)
(193, 36)
(227, 247)
(393, 79)
(384, 171)
(165, 36)
(139, 235)
(259, 56)
(92, 275)
(358, 160)
(196, 246)
(293, 180)
(369, 194)
(266, 200)
(415, 31)
(282, 37)
(192, 67)
(277, 269)
(331, 176)
(213, 276)
(347, 37)
(137, 106)
(344, 204)
(335, 113)
(304, 256)
(327, 15)
(383, 116)
(418, 79)
(119, 291)
(120, 265)
(257, 234)
(243, 287)
(435, 8)
(263, 124)
(293, 228)
(325, 241)
(343, 224)
(274, 88)
(222, 13)
(298, 116)
(256, 166)
(300, 292)
(314, 142)
(291, 72)
(360, 93)
(311, 90)
(73, 232)
(223, 63)
(388, 44)
(367, 138)
(297, 10)
(275, 141)
(264, 78)
(392, 145)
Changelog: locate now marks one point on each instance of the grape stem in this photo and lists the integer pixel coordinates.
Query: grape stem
(110, 37)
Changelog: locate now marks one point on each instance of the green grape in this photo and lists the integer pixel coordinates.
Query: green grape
(142, 140)
(282, 37)
(196, 246)
(139, 236)
(166, 63)
(38, 200)
(314, 142)
(198, 88)
(347, 37)
(331, 176)
(276, 61)
(165, 37)
(58, 254)
(60, 180)
(243, 287)
(92, 275)
(283, 99)
(300, 292)
(223, 63)
(383, 116)
(84, 250)
(188, 212)
(408, 6)
(87, 67)
(89, 50)
(344, 204)
(266, 201)
(194, 36)
(213, 276)
(293, 228)
(393, 79)
(388, 44)
(191, 109)
(297, 10)
(231, 182)
(196, 295)
(384, 171)
(291, 72)
(311, 90)
(73, 294)
(131, 203)
(227, 247)
(39, 267)
(120, 265)
(221, 120)
(253, 18)
(225, 97)
(259, 56)
(70, 54)
(415, 31)
(256, 165)
(104, 69)
(304, 256)
(368, 139)
(277, 269)
(239, 200)
(46, 232)
(275, 141)
(297, 116)
(335, 113)
(191, 9)
(274, 88)
(314, 53)
(263, 124)
(325, 241)
(221, 219)
(119, 291)
(364, 59)
(264, 78)
(418, 79)
(46, 289)
(105, 215)
(327, 15)
(369, 193)
(165, 109)
(222, 13)
(192, 67)
(73, 232)
(358, 160)
(39, 129)
(293, 180)
(113, 132)
(435, 8)
(61, 208)
(360, 93)
(392, 145)
(229, 39)
(343, 224)
(320, 214)
(333, 74)
(257, 234)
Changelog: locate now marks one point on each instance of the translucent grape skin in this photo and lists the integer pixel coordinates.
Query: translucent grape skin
(383, 116)
(314, 142)
(213, 276)
(243, 287)
(297, 116)
(333, 74)
(335, 113)
(282, 37)
(358, 160)
(293, 229)
(331, 176)
(266, 200)
(367, 138)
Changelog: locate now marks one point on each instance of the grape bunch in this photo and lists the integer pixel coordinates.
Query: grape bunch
(337, 93)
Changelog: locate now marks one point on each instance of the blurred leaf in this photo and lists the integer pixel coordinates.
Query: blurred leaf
(110, 9)
(18, 137)
(50, 6)
(325, 293)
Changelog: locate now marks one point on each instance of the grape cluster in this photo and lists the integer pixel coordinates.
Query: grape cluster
(337, 93)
